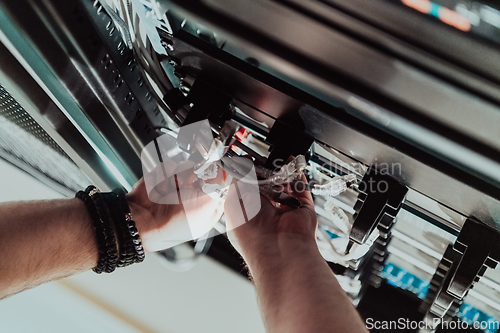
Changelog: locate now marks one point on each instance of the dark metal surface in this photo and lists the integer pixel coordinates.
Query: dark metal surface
(379, 201)
(376, 88)
(463, 264)
(287, 141)
(14, 112)
(401, 46)
(437, 303)
(47, 114)
(40, 35)
(266, 98)
(25, 144)
(463, 50)
(74, 52)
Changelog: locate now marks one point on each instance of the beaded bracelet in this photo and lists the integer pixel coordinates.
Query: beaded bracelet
(132, 230)
(104, 216)
(130, 246)
(101, 236)
(110, 214)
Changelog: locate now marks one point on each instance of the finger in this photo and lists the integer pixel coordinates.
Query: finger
(218, 211)
(185, 173)
(184, 165)
(232, 208)
(137, 183)
(221, 178)
(243, 203)
(281, 208)
(164, 187)
(299, 191)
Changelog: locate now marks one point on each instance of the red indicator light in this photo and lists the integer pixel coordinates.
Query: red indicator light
(423, 6)
(454, 19)
(446, 15)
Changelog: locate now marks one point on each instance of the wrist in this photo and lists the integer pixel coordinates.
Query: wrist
(273, 250)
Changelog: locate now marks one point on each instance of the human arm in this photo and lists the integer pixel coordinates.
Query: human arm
(296, 290)
(41, 241)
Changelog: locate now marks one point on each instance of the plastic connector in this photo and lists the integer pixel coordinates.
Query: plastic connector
(334, 187)
(289, 172)
(338, 216)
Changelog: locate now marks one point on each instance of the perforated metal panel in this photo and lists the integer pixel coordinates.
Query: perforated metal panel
(24, 143)
(12, 111)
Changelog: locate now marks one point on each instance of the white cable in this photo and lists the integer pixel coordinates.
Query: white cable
(335, 186)
(338, 244)
(289, 172)
(339, 219)
(337, 216)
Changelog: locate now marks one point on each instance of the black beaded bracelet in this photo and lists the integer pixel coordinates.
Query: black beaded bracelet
(110, 214)
(133, 233)
(104, 216)
(102, 262)
(130, 246)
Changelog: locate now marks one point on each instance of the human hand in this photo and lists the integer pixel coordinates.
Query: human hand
(274, 226)
(169, 208)
(287, 269)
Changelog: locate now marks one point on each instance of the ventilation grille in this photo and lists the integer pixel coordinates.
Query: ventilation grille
(24, 143)
(12, 111)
